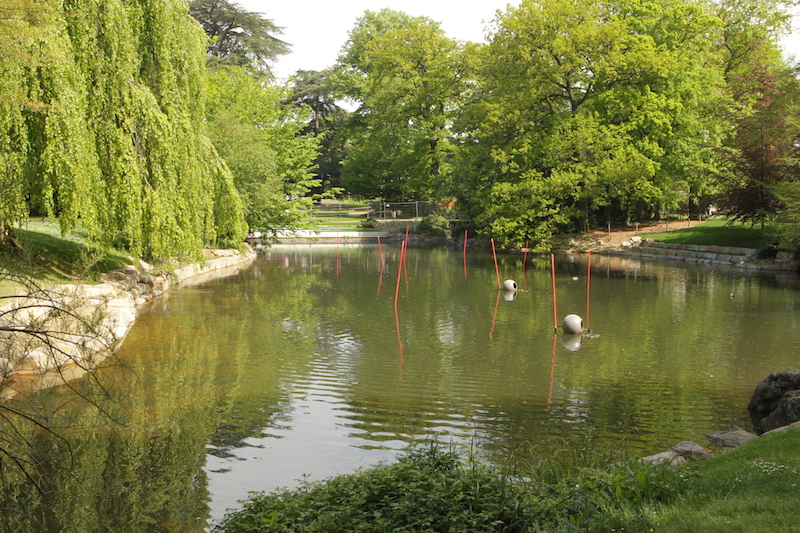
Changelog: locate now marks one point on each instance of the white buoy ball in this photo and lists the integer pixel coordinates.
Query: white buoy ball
(572, 324)
(571, 342)
(509, 285)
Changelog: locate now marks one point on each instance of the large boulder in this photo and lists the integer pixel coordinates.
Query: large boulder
(776, 401)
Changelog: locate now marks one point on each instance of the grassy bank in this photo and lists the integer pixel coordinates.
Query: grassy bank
(749, 489)
(47, 256)
(716, 232)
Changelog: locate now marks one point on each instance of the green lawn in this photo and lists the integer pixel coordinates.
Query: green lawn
(752, 488)
(715, 232)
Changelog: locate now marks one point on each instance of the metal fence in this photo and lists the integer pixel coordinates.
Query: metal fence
(404, 210)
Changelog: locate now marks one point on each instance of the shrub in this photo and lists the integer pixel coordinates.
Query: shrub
(368, 223)
(433, 226)
(427, 490)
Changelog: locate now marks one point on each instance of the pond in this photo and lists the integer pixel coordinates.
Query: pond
(304, 366)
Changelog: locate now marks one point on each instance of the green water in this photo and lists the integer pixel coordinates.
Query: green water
(302, 367)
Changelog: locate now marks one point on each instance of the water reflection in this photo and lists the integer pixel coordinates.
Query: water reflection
(299, 368)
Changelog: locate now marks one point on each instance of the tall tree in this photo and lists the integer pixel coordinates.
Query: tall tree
(315, 90)
(113, 136)
(409, 77)
(761, 150)
(24, 27)
(764, 150)
(607, 108)
(237, 36)
(260, 137)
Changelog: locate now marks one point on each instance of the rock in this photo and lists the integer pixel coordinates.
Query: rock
(690, 451)
(670, 457)
(733, 437)
(143, 289)
(775, 401)
(793, 425)
(786, 412)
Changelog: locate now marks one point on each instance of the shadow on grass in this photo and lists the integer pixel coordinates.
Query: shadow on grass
(51, 258)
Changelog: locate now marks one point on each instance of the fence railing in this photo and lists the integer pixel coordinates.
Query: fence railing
(402, 210)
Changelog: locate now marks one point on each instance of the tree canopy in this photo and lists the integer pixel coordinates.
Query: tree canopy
(237, 36)
(575, 114)
(259, 135)
(409, 78)
(109, 132)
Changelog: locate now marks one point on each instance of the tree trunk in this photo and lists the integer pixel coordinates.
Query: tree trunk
(8, 241)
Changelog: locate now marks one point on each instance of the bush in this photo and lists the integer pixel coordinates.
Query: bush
(437, 490)
(433, 226)
(428, 490)
(368, 223)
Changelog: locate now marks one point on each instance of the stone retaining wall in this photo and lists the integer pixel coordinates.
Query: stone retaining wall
(89, 321)
(730, 256)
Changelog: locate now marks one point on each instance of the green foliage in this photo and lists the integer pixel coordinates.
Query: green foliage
(530, 210)
(237, 37)
(259, 137)
(409, 78)
(427, 490)
(433, 226)
(610, 106)
(45, 254)
(763, 151)
(110, 133)
(434, 490)
(587, 490)
(368, 223)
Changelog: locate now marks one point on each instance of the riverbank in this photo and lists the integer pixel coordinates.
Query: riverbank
(718, 256)
(51, 335)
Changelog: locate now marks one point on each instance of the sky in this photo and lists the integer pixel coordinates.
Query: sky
(317, 29)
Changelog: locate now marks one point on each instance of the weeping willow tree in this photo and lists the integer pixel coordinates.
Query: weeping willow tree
(103, 125)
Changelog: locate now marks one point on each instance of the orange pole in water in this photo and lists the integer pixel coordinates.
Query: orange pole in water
(496, 268)
(380, 251)
(553, 271)
(588, 287)
(494, 316)
(337, 249)
(466, 232)
(405, 262)
(525, 256)
(399, 272)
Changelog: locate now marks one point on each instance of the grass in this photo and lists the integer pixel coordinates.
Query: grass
(749, 489)
(45, 255)
(753, 488)
(715, 232)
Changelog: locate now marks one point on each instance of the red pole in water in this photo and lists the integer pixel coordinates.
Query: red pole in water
(466, 232)
(496, 268)
(405, 263)
(380, 251)
(399, 272)
(588, 287)
(525, 256)
(553, 271)
(337, 249)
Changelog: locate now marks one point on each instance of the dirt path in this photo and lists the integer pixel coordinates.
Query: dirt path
(618, 235)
